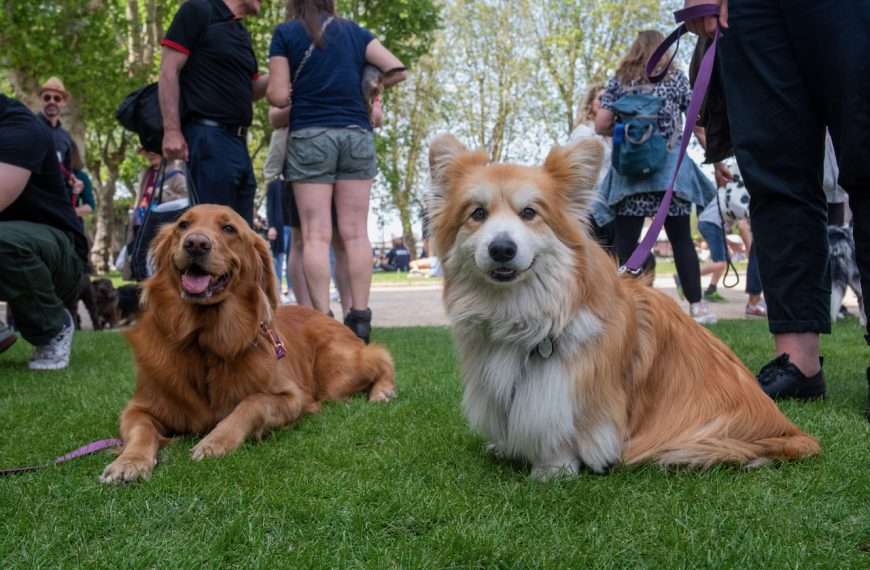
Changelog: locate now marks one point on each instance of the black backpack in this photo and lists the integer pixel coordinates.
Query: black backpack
(139, 112)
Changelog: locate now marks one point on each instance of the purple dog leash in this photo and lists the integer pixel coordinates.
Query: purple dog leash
(75, 454)
(636, 261)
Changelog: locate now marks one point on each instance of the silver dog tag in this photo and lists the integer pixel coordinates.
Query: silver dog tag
(545, 349)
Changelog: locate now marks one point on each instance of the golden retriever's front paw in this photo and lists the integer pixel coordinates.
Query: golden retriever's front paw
(212, 447)
(383, 395)
(127, 470)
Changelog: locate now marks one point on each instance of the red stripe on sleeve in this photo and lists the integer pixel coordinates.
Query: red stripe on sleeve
(174, 45)
(256, 75)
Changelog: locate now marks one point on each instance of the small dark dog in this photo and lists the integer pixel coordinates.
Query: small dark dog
(128, 303)
(87, 295)
(106, 298)
(844, 270)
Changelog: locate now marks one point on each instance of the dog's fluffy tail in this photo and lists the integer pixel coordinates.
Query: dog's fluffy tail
(704, 452)
(377, 364)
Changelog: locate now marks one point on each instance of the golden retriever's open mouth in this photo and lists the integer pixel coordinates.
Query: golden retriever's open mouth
(196, 283)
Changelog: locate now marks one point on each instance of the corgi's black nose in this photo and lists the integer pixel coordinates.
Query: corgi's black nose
(502, 249)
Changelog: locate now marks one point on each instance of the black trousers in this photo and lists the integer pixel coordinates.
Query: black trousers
(790, 69)
(678, 229)
(221, 169)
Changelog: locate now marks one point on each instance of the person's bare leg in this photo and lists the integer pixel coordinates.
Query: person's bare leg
(802, 349)
(352, 206)
(714, 269)
(295, 270)
(342, 272)
(314, 202)
(754, 299)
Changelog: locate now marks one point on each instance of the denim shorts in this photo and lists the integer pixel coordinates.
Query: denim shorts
(714, 238)
(324, 155)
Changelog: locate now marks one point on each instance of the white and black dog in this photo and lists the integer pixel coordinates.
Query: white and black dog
(844, 270)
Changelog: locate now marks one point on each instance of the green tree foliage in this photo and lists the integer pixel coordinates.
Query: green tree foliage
(579, 42)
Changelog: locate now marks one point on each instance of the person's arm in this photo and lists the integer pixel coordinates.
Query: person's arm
(260, 83)
(174, 145)
(379, 56)
(278, 91)
(13, 180)
(707, 26)
(279, 118)
(183, 36)
(604, 122)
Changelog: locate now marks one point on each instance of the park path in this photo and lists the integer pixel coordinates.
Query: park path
(419, 304)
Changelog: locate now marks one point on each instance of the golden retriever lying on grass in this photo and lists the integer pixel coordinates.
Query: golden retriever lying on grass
(215, 357)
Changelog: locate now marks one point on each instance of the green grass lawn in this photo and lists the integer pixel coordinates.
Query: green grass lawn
(406, 485)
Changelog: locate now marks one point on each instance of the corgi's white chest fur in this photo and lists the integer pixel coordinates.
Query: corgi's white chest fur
(527, 404)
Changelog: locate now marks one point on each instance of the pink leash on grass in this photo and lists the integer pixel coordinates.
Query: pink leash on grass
(635, 263)
(88, 449)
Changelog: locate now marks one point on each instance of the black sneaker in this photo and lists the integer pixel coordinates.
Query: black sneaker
(360, 322)
(780, 379)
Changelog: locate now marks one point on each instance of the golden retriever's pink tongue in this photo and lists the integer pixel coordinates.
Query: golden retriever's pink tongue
(195, 284)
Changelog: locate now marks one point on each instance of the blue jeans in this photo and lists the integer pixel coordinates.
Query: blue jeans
(753, 275)
(221, 169)
(281, 260)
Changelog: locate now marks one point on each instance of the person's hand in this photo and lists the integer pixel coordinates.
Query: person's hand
(272, 234)
(707, 26)
(722, 174)
(174, 146)
(77, 185)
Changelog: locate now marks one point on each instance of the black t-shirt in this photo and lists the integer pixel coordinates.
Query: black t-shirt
(63, 144)
(216, 81)
(27, 143)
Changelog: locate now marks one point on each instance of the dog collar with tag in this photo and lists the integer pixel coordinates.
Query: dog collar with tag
(544, 348)
(280, 349)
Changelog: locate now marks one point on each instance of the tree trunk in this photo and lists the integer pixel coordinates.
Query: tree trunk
(107, 171)
(101, 252)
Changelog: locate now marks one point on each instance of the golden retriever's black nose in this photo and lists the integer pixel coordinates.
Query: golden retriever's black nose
(197, 245)
(502, 249)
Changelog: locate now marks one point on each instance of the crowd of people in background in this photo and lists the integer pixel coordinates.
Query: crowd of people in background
(324, 87)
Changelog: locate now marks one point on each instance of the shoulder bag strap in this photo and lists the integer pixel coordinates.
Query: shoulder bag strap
(310, 49)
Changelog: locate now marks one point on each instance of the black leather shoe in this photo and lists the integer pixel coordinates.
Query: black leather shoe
(360, 322)
(780, 379)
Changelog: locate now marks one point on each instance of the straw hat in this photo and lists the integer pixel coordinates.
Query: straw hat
(54, 84)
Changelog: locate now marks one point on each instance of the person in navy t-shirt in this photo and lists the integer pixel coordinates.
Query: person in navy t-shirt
(316, 68)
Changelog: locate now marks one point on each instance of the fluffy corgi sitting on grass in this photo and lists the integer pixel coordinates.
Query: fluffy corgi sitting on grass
(565, 362)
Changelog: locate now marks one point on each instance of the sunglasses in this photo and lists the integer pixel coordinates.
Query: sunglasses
(48, 98)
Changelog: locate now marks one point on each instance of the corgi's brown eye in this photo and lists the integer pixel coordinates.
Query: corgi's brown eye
(183, 225)
(229, 229)
(528, 214)
(478, 215)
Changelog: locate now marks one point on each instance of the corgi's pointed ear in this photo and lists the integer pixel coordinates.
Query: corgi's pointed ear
(443, 152)
(448, 158)
(575, 169)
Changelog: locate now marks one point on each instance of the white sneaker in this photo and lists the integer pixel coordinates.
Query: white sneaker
(701, 313)
(55, 354)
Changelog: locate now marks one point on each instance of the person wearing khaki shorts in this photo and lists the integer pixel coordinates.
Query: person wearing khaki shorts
(317, 72)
